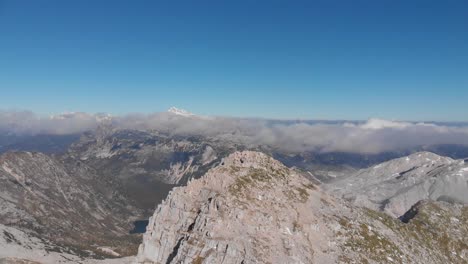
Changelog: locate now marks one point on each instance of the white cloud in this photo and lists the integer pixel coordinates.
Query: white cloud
(375, 135)
(376, 123)
(66, 123)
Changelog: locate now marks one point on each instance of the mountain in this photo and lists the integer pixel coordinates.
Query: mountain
(84, 200)
(19, 247)
(148, 163)
(253, 209)
(66, 202)
(180, 112)
(230, 213)
(396, 185)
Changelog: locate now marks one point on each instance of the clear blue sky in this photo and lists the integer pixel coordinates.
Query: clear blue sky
(305, 59)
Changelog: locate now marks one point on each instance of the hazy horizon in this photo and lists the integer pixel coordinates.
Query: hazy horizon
(9, 111)
(370, 136)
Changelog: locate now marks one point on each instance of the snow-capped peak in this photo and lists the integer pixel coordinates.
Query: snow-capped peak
(180, 112)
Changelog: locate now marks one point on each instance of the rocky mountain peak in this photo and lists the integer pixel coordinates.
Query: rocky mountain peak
(252, 209)
(251, 159)
(230, 212)
(244, 173)
(418, 159)
(180, 112)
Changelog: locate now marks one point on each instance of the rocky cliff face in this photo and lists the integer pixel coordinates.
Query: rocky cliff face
(65, 202)
(252, 209)
(148, 163)
(248, 209)
(131, 153)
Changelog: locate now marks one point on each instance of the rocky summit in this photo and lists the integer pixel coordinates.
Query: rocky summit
(252, 209)
(248, 209)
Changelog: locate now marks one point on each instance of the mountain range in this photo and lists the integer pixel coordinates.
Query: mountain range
(253, 209)
(77, 198)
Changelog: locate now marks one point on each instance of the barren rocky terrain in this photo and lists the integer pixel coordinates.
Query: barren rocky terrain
(252, 209)
(227, 204)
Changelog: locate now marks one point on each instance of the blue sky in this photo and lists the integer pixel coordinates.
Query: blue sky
(286, 59)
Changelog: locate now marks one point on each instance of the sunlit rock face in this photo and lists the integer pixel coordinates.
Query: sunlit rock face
(233, 212)
(252, 209)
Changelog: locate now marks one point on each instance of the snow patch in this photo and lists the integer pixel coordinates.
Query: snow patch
(109, 251)
(180, 112)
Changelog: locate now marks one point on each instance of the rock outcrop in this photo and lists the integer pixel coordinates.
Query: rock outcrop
(249, 209)
(252, 209)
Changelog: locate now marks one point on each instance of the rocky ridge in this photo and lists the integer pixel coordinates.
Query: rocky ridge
(396, 185)
(148, 163)
(252, 209)
(232, 213)
(64, 202)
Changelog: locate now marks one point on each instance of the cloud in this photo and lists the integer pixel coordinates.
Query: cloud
(372, 136)
(26, 122)
(376, 123)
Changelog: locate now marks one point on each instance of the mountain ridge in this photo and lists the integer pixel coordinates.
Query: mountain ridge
(252, 209)
(394, 186)
(69, 205)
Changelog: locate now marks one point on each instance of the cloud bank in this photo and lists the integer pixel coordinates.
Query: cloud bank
(372, 136)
